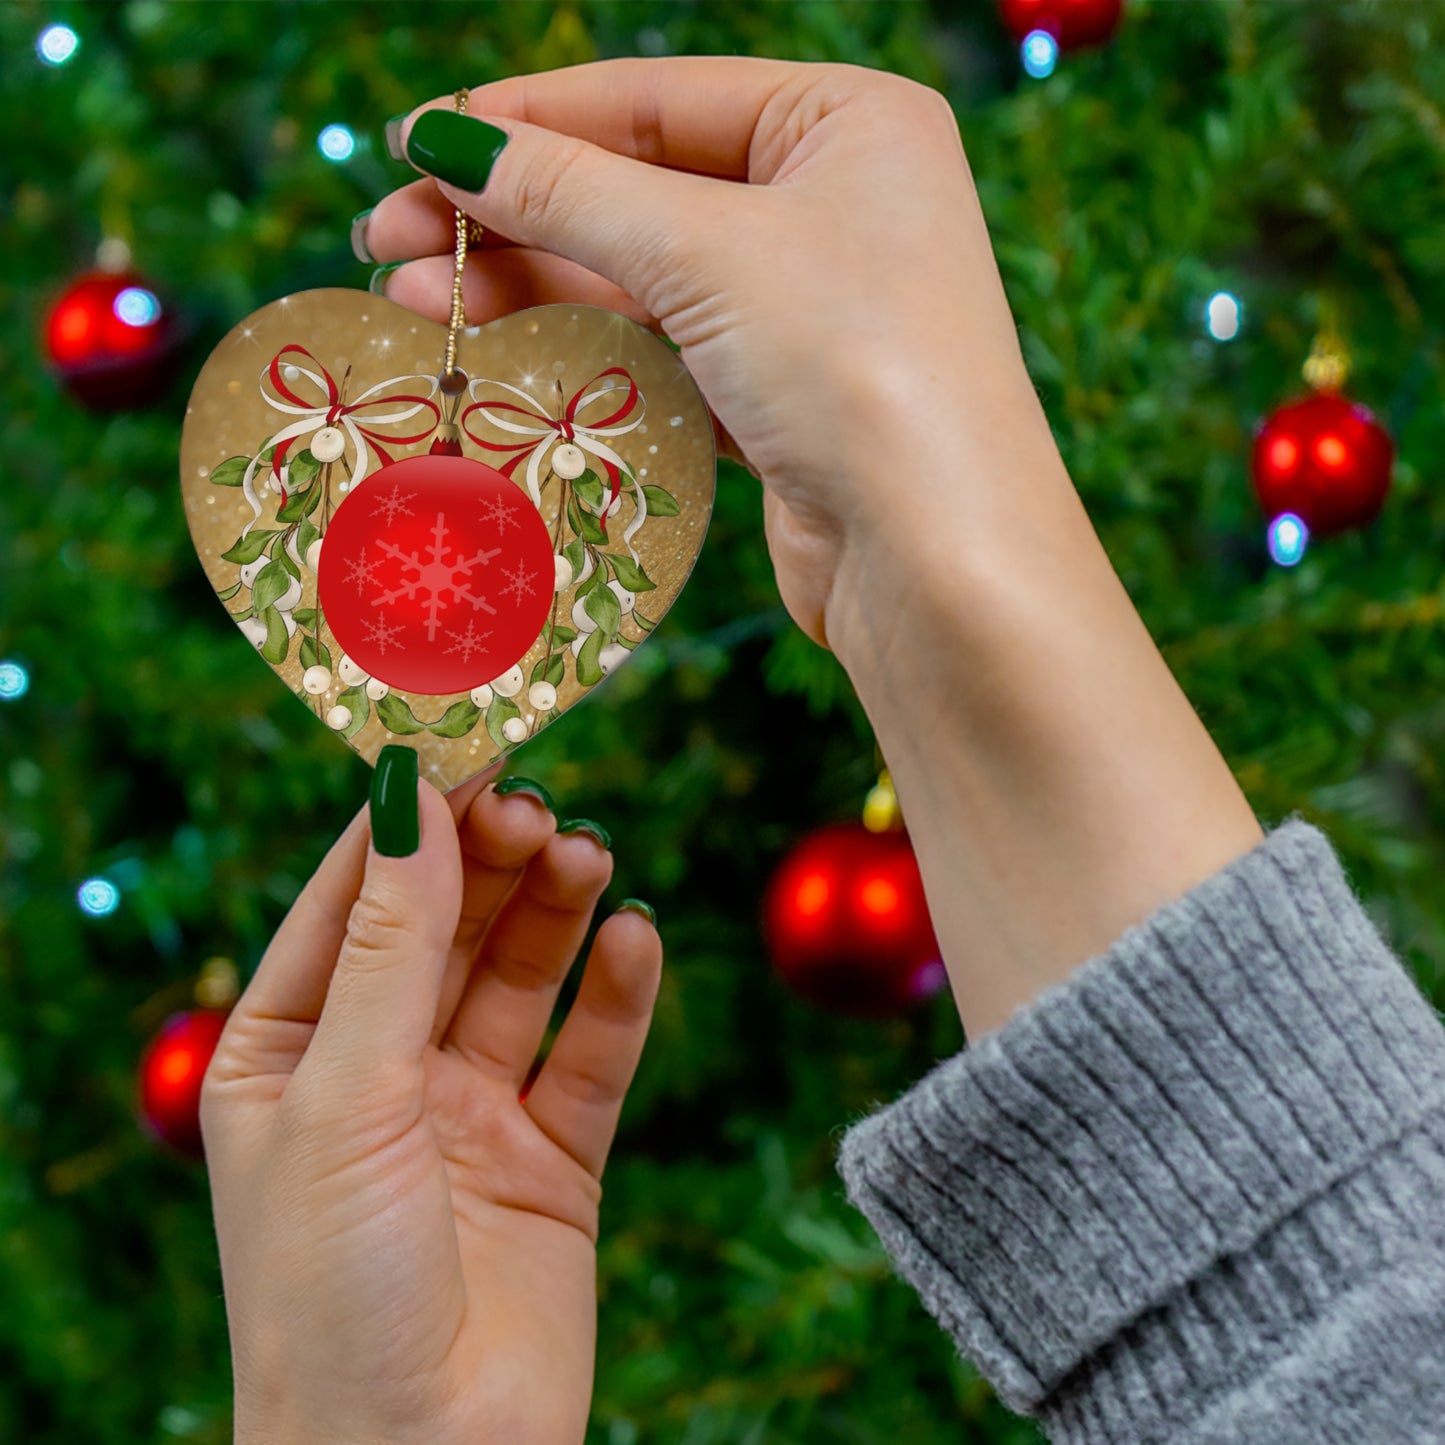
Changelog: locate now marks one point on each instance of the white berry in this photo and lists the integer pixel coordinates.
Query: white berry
(313, 555)
(588, 567)
(316, 679)
(581, 619)
(482, 696)
(612, 656)
(514, 729)
(542, 696)
(249, 571)
(625, 598)
(578, 643)
(289, 598)
(338, 717)
(376, 689)
(350, 673)
(328, 444)
(568, 461)
(509, 684)
(254, 630)
(562, 576)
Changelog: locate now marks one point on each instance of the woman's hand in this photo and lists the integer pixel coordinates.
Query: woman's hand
(408, 1248)
(840, 307)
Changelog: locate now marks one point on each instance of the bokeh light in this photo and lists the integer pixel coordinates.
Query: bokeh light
(98, 897)
(336, 143)
(137, 307)
(57, 44)
(1288, 537)
(1223, 316)
(1040, 52)
(14, 681)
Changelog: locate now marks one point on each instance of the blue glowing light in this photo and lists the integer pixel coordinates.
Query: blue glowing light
(1040, 52)
(98, 897)
(336, 143)
(1288, 537)
(14, 681)
(57, 44)
(1223, 316)
(136, 306)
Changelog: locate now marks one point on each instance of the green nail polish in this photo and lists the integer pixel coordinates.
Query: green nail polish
(636, 905)
(392, 132)
(455, 148)
(359, 248)
(395, 824)
(377, 284)
(586, 825)
(526, 785)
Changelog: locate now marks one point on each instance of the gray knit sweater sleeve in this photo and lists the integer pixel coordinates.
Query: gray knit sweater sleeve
(1196, 1192)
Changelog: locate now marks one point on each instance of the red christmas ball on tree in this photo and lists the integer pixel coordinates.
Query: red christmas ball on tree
(1324, 458)
(111, 341)
(847, 923)
(1073, 23)
(171, 1071)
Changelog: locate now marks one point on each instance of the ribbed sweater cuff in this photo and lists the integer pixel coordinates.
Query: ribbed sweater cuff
(1129, 1155)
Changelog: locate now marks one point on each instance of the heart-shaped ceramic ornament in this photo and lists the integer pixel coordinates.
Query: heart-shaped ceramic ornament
(452, 560)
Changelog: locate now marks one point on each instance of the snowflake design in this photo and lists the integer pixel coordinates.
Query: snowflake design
(468, 642)
(383, 635)
(438, 576)
(393, 504)
(362, 571)
(520, 583)
(499, 512)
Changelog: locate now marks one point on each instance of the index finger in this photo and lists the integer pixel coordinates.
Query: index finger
(695, 113)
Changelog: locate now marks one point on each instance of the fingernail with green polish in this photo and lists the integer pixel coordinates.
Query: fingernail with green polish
(455, 148)
(377, 284)
(393, 136)
(636, 905)
(359, 248)
(586, 825)
(527, 786)
(395, 821)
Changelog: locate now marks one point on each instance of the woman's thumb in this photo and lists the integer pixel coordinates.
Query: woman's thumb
(623, 219)
(382, 999)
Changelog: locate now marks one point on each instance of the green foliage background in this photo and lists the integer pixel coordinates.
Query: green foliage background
(1287, 152)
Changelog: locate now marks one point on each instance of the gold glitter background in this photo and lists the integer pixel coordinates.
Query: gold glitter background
(228, 416)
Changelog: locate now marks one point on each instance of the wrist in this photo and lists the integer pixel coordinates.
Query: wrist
(1057, 784)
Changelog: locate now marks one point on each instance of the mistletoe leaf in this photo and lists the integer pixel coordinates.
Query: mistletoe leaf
(563, 635)
(230, 592)
(306, 617)
(641, 621)
(306, 534)
(273, 581)
(598, 577)
(574, 552)
(503, 709)
(630, 573)
(354, 699)
(589, 670)
(660, 503)
(549, 669)
(299, 505)
(231, 472)
(397, 717)
(302, 468)
(589, 488)
(314, 653)
(604, 609)
(278, 640)
(249, 547)
(458, 720)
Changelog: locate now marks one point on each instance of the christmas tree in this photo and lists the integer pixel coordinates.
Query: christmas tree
(1179, 215)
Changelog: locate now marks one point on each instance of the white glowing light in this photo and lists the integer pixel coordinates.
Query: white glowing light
(1288, 537)
(98, 897)
(1040, 52)
(136, 306)
(57, 44)
(336, 143)
(1223, 316)
(14, 682)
